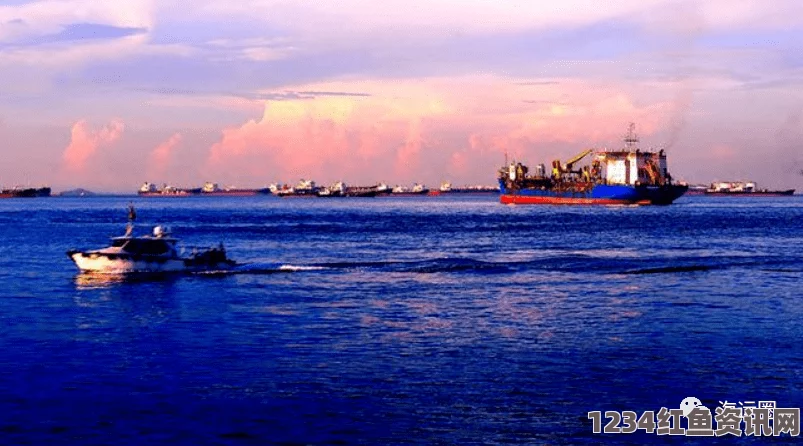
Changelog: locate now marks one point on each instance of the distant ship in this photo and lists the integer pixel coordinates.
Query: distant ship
(334, 191)
(212, 189)
(25, 192)
(447, 188)
(626, 176)
(744, 189)
(304, 188)
(368, 191)
(340, 189)
(151, 190)
(417, 189)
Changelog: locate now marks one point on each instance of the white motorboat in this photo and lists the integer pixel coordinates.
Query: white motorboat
(156, 253)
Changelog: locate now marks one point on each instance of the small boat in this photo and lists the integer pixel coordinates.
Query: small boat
(156, 253)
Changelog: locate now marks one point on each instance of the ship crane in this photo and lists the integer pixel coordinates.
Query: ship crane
(573, 161)
(559, 169)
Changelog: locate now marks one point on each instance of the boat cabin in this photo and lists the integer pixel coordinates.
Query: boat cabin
(158, 244)
(145, 245)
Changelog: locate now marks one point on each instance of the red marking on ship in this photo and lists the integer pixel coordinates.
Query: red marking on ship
(522, 199)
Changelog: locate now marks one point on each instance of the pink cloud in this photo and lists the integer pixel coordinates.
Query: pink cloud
(85, 142)
(161, 156)
(427, 130)
(329, 140)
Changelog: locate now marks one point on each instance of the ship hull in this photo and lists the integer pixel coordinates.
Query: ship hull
(89, 262)
(237, 193)
(298, 194)
(599, 194)
(25, 193)
(410, 194)
(166, 195)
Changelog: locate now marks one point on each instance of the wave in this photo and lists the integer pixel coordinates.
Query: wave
(570, 263)
(671, 269)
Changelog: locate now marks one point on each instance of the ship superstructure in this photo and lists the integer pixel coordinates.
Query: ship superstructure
(624, 176)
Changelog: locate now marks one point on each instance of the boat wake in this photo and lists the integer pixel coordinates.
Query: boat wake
(569, 263)
(573, 263)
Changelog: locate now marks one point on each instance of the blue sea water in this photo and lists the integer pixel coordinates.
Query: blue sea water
(438, 320)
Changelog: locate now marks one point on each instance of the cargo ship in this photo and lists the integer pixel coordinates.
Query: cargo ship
(212, 189)
(304, 188)
(744, 189)
(614, 177)
(447, 188)
(417, 189)
(340, 189)
(25, 192)
(151, 190)
(367, 191)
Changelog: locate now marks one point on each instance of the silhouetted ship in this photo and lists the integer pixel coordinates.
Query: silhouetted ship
(626, 176)
(25, 192)
(744, 189)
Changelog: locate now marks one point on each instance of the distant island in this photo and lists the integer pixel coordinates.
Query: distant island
(80, 192)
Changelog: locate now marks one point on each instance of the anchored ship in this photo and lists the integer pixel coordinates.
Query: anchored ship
(304, 188)
(25, 192)
(151, 190)
(744, 189)
(212, 189)
(447, 188)
(626, 176)
(417, 189)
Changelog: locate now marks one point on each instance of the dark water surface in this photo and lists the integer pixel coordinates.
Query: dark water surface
(380, 321)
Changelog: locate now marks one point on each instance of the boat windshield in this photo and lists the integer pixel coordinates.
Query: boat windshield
(142, 246)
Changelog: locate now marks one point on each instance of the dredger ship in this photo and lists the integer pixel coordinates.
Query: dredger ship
(624, 176)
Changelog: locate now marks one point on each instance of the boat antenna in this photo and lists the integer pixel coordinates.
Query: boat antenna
(631, 138)
(132, 215)
(505, 156)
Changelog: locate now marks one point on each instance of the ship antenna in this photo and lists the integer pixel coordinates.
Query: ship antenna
(631, 138)
(505, 157)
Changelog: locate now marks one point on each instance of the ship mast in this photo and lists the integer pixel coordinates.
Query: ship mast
(631, 139)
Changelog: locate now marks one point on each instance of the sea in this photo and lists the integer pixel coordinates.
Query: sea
(446, 320)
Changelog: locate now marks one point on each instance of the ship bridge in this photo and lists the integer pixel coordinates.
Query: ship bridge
(631, 165)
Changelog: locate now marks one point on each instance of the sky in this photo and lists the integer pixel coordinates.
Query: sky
(106, 95)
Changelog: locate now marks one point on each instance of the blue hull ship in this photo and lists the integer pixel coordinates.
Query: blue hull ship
(594, 194)
(626, 176)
